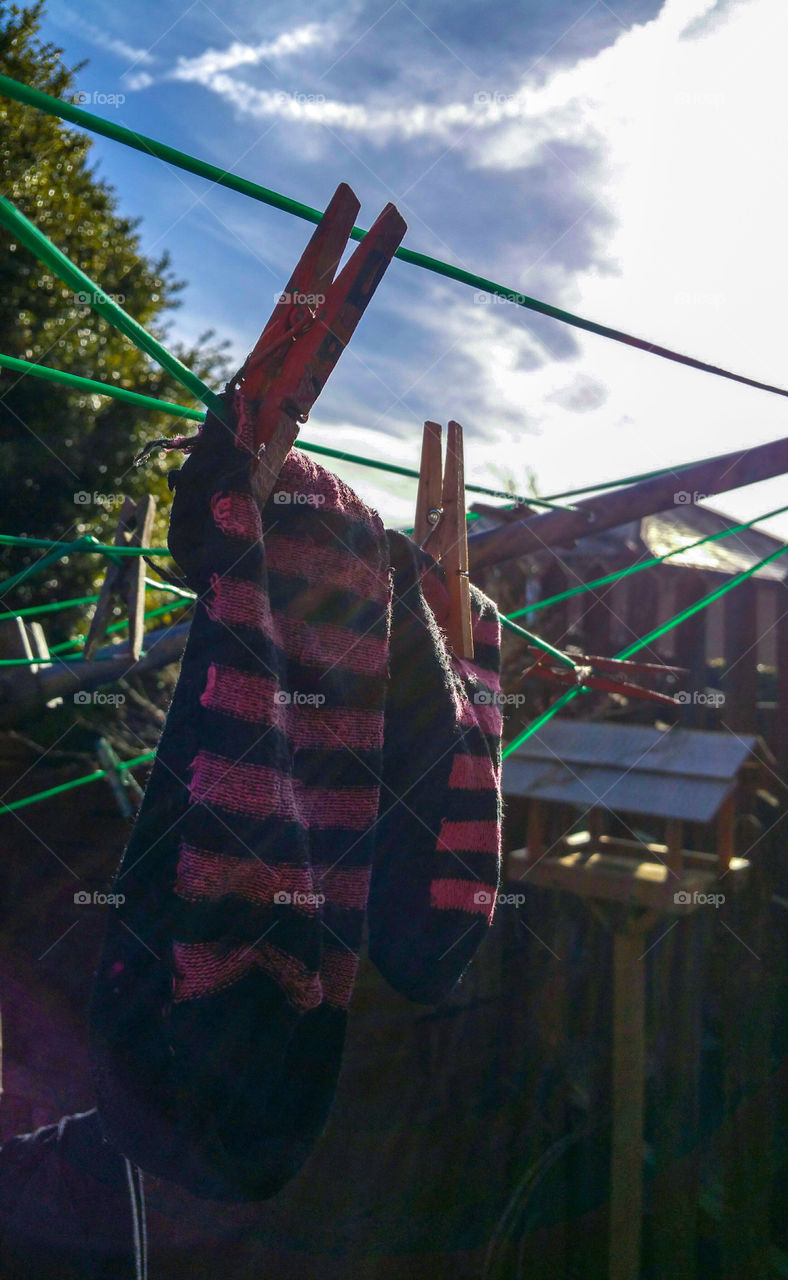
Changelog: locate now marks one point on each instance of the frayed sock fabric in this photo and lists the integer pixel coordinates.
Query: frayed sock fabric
(219, 1009)
(220, 1003)
(437, 850)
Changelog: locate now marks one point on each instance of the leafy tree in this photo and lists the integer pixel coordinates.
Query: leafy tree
(55, 442)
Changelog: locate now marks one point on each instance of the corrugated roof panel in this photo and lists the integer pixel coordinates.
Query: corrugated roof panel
(689, 798)
(676, 751)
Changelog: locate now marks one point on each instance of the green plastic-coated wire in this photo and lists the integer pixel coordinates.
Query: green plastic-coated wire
(43, 371)
(76, 782)
(643, 643)
(537, 642)
(42, 247)
(620, 574)
(521, 738)
(29, 368)
(88, 544)
(149, 146)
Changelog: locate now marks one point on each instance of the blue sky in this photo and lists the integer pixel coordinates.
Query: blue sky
(621, 161)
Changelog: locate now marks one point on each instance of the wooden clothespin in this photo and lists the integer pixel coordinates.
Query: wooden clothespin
(124, 580)
(123, 785)
(609, 675)
(310, 327)
(440, 519)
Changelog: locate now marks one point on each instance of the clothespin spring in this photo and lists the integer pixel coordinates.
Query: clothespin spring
(434, 518)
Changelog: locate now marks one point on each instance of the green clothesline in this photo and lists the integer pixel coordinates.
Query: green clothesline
(152, 584)
(87, 543)
(99, 388)
(62, 650)
(643, 643)
(197, 415)
(42, 248)
(508, 620)
(149, 146)
(533, 728)
(619, 574)
(77, 782)
(28, 367)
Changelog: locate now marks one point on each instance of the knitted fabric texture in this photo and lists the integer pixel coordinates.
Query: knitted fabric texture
(438, 839)
(220, 1003)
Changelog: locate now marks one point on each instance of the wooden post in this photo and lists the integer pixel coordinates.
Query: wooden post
(554, 581)
(780, 744)
(677, 971)
(535, 838)
(690, 642)
(741, 657)
(595, 620)
(596, 823)
(726, 828)
(626, 1172)
(40, 647)
(747, 1137)
(642, 607)
(674, 835)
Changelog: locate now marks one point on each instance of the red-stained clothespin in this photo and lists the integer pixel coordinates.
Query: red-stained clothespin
(310, 327)
(615, 680)
(440, 519)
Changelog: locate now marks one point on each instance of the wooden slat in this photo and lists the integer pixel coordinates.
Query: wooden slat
(674, 837)
(741, 658)
(626, 1169)
(557, 528)
(535, 830)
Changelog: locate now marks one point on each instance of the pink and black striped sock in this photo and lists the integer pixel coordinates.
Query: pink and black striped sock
(303, 741)
(436, 867)
(220, 1005)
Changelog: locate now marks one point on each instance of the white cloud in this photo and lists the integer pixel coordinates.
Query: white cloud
(206, 66)
(143, 80)
(682, 119)
(103, 39)
(689, 162)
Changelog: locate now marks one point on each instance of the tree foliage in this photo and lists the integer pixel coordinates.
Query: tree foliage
(55, 442)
